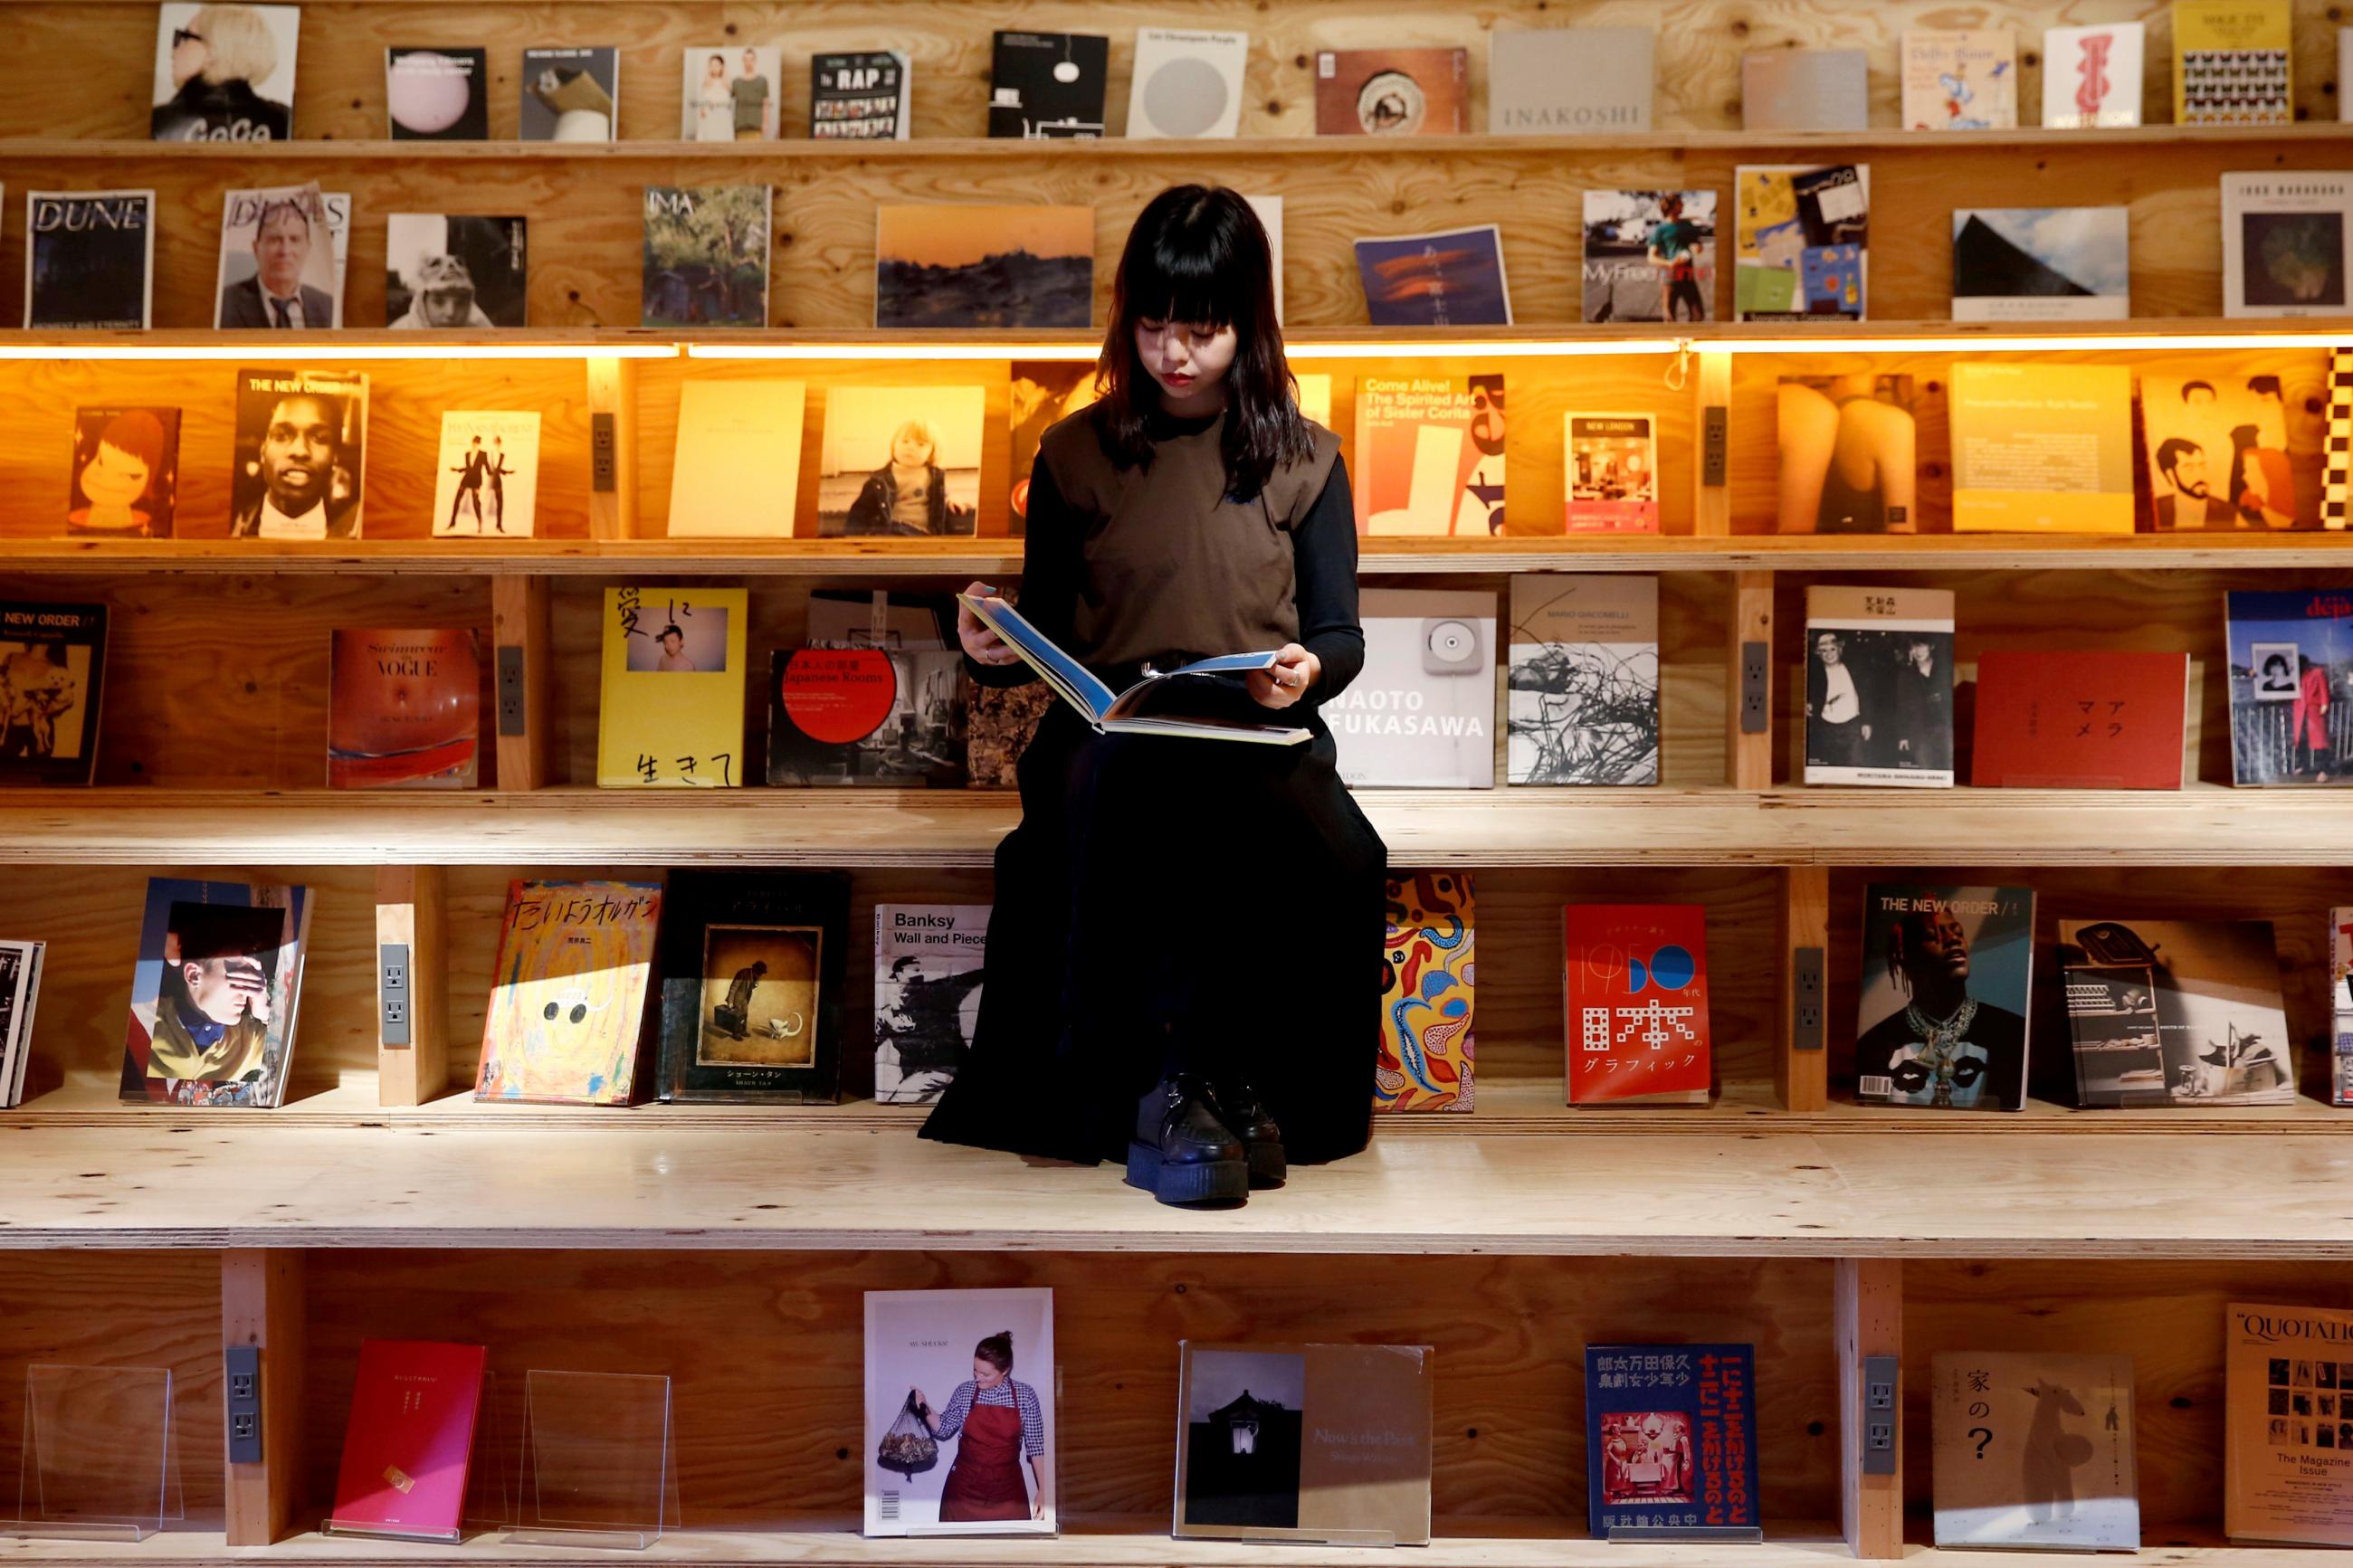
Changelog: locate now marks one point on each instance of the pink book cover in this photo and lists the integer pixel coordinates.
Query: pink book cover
(414, 1402)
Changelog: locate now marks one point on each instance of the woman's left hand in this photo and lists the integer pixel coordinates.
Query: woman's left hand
(1294, 670)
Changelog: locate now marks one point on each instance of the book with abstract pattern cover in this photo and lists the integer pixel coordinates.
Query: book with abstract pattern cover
(1427, 991)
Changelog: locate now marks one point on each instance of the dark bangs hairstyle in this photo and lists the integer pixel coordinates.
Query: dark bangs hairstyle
(1197, 255)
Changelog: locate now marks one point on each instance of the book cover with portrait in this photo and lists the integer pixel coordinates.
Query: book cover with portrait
(89, 258)
(1671, 1437)
(1303, 1443)
(900, 461)
(1045, 86)
(1650, 255)
(569, 1015)
(1879, 686)
(2242, 450)
(1635, 977)
(570, 94)
(730, 93)
(224, 72)
(927, 981)
(669, 711)
(944, 264)
(52, 677)
(300, 455)
(960, 1421)
(444, 271)
(437, 94)
(2291, 670)
(752, 966)
(2174, 1013)
(863, 95)
(282, 255)
(1943, 1015)
(126, 473)
(486, 481)
(1392, 92)
(2287, 1424)
(706, 257)
(2033, 1450)
(405, 708)
(213, 992)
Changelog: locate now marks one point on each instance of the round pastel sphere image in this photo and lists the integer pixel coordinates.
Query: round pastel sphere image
(428, 92)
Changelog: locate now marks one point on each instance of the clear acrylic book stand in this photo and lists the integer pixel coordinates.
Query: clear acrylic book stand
(98, 1461)
(597, 1467)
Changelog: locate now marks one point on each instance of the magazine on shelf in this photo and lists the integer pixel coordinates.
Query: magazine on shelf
(570, 94)
(1204, 700)
(89, 258)
(2033, 1450)
(2090, 76)
(126, 472)
(437, 94)
(2287, 1443)
(53, 671)
(863, 95)
(1943, 1015)
(284, 254)
(1961, 80)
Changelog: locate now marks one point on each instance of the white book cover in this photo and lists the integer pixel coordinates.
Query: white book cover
(1959, 80)
(1570, 81)
(1421, 713)
(960, 1422)
(2035, 1451)
(224, 72)
(927, 979)
(735, 472)
(730, 93)
(89, 258)
(282, 246)
(1879, 687)
(1188, 85)
(2090, 76)
(2285, 236)
(1270, 218)
(1582, 691)
(2287, 1446)
(488, 485)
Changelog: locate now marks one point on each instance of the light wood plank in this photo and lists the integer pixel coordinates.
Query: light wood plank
(613, 394)
(1803, 1075)
(262, 1305)
(1867, 1318)
(411, 909)
(518, 621)
(1751, 752)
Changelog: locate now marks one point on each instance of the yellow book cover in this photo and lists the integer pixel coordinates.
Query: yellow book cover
(2231, 62)
(670, 714)
(568, 1014)
(1426, 985)
(736, 469)
(2042, 448)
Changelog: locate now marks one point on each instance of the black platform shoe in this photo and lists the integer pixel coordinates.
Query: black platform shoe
(1245, 1114)
(1182, 1153)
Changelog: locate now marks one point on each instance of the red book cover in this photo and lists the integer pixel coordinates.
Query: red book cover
(2080, 719)
(405, 708)
(1637, 994)
(412, 1432)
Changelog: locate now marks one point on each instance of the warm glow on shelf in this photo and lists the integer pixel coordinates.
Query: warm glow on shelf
(261, 348)
(900, 353)
(1984, 343)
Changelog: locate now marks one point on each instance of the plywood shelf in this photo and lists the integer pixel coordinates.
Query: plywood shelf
(1382, 556)
(2204, 825)
(188, 1179)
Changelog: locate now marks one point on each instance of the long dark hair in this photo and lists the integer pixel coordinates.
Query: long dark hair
(1197, 255)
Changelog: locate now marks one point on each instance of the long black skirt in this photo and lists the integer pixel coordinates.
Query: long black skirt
(1211, 906)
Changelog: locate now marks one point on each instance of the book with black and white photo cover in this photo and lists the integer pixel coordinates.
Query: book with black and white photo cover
(2232, 62)
(737, 465)
(2174, 1013)
(126, 473)
(1570, 81)
(1187, 84)
(1943, 1015)
(1960, 79)
(1650, 255)
(730, 93)
(224, 72)
(1582, 691)
(1421, 713)
(927, 980)
(2033, 1451)
(2090, 76)
(1879, 686)
(2341, 995)
(1671, 1437)
(886, 717)
(2288, 1429)
(20, 995)
(2042, 264)
(571, 94)
(1805, 90)
(1207, 699)
(2284, 238)
(960, 1413)
(864, 96)
(445, 272)
(752, 965)
(486, 484)
(53, 669)
(2291, 669)
(1613, 473)
(282, 259)
(437, 94)
(300, 468)
(1046, 85)
(89, 258)
(1392, 92)
(900, 461)
(214, 992)
(706, 257)
(1304, 1442)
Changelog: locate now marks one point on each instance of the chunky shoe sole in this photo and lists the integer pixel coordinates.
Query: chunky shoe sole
(1267, 1166)
(1200, 1182)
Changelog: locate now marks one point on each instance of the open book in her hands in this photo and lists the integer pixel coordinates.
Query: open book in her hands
(1203, 700)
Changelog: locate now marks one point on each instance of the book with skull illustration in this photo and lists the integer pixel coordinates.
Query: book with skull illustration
(567, 1020)
(2035, 1451)
(752, 966)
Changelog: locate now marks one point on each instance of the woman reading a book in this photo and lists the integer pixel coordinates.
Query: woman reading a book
(1183, 959)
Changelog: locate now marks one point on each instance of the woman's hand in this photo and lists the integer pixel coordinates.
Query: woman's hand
(985, 645)
(1296, 670)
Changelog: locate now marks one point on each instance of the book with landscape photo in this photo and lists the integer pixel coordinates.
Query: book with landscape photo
(1451, 279)
(2080, 718)
(1634, 979)
(444, 271)
(1429, 455)
(1650, 255)
(224, 72)
(669, 711)
(214, 992)
(53, 670)
(706, 257)
(752, 966)
(2033, 1451)
(1392, 92)
(927, 982)
(89, 260)
(2042, 264)
(570, 94)
(1187, 84)
(1429, 1052)
(569, 1017)
(2041, 448)
(405, 708)
(944, 264)
(437, 94)
(1581, 693)
(1048, 85)
(2174, 1013)
(486, 481)
(1943, 1014)
(2091, 76)
(1421, 714)
(126, 473)
(1879, 686)
(861, 96)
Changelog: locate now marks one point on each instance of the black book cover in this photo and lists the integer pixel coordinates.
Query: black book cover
(52, 674)
(87, 257)
(437, 95)
(857, 97)
(1047, 84)
(752, 965)
(1984, 263)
